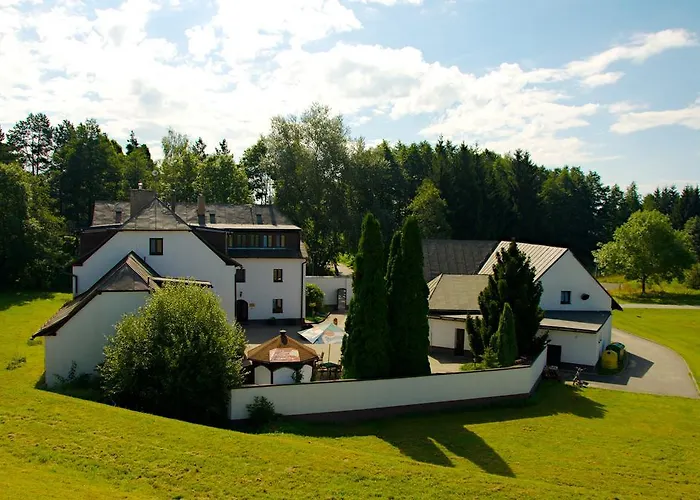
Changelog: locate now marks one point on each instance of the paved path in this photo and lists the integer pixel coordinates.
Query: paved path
(658, 306)
(651, 368)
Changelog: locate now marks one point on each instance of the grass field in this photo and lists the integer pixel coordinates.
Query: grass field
(665, 293)
(564, 444)
(678, 329)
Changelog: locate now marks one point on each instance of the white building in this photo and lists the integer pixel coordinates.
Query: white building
(251, 256)
(578, 310)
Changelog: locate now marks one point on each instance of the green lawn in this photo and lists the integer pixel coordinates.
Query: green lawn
(665, 293)
(678, 329)
(564, 444)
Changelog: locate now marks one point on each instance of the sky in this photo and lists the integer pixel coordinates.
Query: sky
(608, 85)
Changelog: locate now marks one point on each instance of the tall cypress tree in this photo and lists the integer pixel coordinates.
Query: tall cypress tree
(504, 342)
(413, 349)
(366, 353)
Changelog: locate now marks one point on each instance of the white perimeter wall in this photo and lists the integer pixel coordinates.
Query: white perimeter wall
(330, 286)
(568, 274)
(334, 396)
(259, 290)
(184, 255)
(83, 338)
(442, 333)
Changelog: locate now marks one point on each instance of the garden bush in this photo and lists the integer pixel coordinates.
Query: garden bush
(692, 277)
(314, 298)
(261, 411)
(177, 356)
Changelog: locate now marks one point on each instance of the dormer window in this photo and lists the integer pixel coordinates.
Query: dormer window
(258, 218)
(212, 218)
(118, 215)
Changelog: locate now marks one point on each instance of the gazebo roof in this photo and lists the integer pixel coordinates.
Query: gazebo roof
(281, 350)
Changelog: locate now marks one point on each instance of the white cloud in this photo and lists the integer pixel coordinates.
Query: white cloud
(624, 107)
(252, 60)
(635, 122)
(390, 2)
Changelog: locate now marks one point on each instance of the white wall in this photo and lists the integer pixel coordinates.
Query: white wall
(262, 375)
(348, 395)
(330, 286)
(184, 255)
(281, 376)
(259, 290)
(442, 333)
(568, 274)
(576, 347)
(83, 338)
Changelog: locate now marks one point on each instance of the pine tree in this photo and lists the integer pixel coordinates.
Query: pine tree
(503, 341)
(474, 334)
(396, 306)
(367, 350)
(513, 282)
(409, 294)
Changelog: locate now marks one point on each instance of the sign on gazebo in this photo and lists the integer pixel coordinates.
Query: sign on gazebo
(284, 355)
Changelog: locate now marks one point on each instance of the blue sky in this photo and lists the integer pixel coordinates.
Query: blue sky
(608, 85)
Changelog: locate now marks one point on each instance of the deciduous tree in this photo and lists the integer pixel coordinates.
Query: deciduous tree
(429, 209)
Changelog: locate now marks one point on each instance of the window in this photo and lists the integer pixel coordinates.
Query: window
(212, 218)
(240, 275)
(566, 296)
(277, 275)
(283, 240)
(258, 218)
(277, 306)
(156, 246)
(265, 241)
(118, 216)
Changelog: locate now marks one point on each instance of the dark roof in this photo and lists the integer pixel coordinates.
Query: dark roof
(542, 257)
(454, 256)
(456, 293)
(104, 213)
(265, 353)
(156, 216)
(575, 321)
(131, 274)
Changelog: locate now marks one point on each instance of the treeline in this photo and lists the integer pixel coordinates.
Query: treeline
(325, 181)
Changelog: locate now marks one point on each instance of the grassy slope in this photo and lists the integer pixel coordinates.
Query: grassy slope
(678, 329)
(665, 293)
(566, 444)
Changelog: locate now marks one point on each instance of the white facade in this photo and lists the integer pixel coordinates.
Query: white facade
(567, 274)
(330, 286)
(281, 376)
(184, 256)
(83, 337)
(443, 332)
(260, 290)
(581, 348)
(349, 395)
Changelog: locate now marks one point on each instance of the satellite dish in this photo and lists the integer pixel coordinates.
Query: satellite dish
(155, 172)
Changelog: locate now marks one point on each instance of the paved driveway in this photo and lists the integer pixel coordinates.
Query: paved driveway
(652, 368)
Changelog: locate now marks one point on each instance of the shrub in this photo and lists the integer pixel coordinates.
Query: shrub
(16, 362)
(314, 298)
(261, 411)
(692, 277)
(177, 356)
(490, 358)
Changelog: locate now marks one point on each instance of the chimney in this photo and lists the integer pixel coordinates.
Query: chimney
(201, 210)
(140, 198)
(283, 337)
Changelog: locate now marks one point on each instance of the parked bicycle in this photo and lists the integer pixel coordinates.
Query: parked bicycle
(578, 379)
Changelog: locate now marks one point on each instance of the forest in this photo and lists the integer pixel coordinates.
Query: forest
(318, 174)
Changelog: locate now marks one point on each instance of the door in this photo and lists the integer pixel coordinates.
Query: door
(553, 355)
(459, 341)
(241, 310)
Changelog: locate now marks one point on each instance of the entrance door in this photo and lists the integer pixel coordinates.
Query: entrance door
(241, 310)
(553, 355)
(459, 342)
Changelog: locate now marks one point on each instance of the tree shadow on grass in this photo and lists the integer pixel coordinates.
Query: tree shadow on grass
(11, 298)
(424, 437)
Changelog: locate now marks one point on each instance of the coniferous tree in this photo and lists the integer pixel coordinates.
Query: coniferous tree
(504, 342)
(395, 303)
(367, 350)
(415, 316)
(512, 282)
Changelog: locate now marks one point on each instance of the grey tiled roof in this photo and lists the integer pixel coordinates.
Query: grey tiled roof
(454, 256)
(156, 216)
(542, 257)
(453, 293)
(104, 213)
(576, 321)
